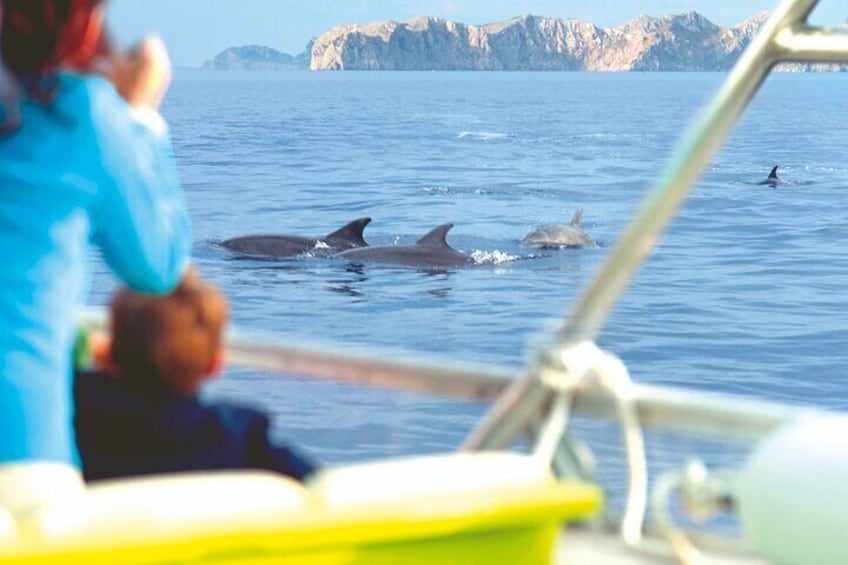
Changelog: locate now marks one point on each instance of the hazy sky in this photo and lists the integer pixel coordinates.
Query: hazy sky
(195, 30)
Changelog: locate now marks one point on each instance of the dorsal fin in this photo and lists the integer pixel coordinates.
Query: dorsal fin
(773, 173)
(436, 237)
(352, 232)
(577, 220)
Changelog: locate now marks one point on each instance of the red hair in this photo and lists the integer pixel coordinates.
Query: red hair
(39, 36)
(80, 43)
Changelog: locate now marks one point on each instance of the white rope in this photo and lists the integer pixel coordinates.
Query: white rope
(582, 361)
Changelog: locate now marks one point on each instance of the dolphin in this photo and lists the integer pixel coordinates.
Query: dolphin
(554, 236)
(432, 250)
(772, 179)
(347, 237)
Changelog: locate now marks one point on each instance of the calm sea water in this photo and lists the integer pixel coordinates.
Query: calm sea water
(745, 294)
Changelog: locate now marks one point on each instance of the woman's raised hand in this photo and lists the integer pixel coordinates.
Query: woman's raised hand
(142, 75)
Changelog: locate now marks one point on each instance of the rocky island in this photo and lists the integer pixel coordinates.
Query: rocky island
(680, 42)
(256, 58)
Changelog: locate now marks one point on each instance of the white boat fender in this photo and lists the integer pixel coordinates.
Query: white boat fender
(793, 493)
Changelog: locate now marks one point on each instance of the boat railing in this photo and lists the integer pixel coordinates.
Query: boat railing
(661, 407)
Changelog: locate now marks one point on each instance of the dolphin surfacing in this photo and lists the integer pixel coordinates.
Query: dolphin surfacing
(432, 250)
(348, 236)
(772, 179)
(555, 236)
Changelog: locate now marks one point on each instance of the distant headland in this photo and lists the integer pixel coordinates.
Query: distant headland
(680, 42)
(256, 58)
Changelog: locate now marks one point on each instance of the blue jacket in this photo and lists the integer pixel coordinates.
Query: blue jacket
(83, 170)
(121, 432)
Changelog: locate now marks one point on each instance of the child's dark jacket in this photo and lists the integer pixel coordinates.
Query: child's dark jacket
(122, 433)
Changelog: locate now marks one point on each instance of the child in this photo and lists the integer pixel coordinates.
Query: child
(141, 414)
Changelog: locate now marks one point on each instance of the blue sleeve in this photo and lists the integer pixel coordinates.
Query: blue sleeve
(140, 221)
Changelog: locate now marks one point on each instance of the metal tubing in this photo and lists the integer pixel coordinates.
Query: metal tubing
(708, 415)
(810, 44)
(683, 410)
(385, 370)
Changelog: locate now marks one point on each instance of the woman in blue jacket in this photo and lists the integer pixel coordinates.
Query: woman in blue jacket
(83, 160)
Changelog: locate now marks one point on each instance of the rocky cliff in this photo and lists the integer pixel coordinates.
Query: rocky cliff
(683, 42)
(256, 58)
